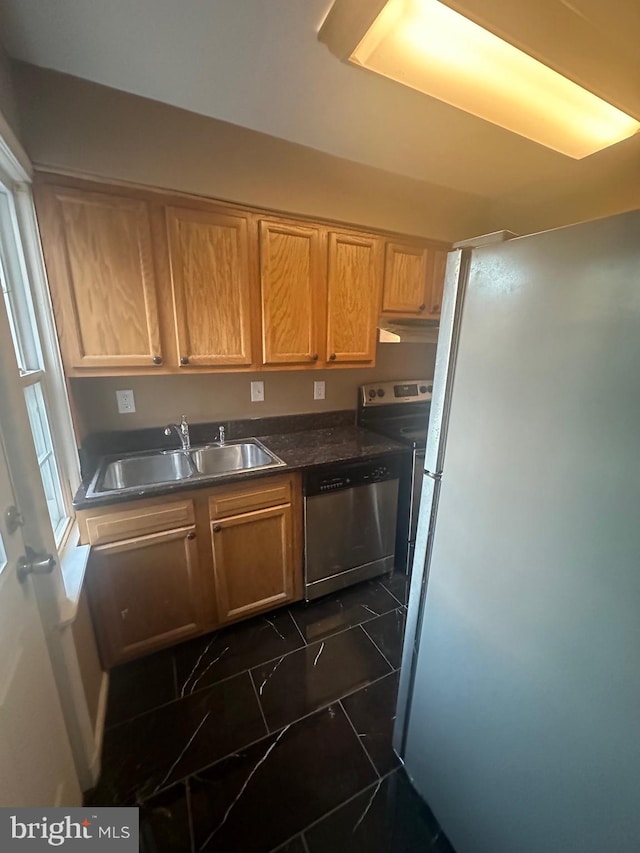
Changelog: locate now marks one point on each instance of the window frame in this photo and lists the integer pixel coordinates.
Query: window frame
(33, 308)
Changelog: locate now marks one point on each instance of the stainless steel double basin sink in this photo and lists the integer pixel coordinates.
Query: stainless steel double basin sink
(133, 472)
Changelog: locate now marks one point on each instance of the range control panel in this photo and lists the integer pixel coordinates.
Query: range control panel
(385, 393)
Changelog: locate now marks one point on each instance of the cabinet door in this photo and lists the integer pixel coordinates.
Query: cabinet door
(144, 594)
(354, 278)
(290, 275)
(406, 279)
(253, 561)
(436, 280)
(98, 253)
(211, 284)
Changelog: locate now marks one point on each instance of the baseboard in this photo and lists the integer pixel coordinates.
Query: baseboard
(96, 760)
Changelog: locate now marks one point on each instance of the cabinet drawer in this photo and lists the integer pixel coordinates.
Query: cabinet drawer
(114, 526)
(247, 498)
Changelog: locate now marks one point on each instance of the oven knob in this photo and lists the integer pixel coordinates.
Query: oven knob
(380, 392)
(423, 389)
(372, 393)
(429, 388)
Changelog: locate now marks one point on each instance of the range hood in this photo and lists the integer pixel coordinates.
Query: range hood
(394, 331)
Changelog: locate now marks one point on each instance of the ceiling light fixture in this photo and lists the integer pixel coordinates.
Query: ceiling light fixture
(430, 47)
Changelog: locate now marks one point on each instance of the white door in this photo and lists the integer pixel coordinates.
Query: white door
(36, 761)
(36, 765)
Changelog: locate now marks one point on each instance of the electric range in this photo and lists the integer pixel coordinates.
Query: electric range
(400, 410)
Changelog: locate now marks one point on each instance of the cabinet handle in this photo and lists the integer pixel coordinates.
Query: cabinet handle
(421, 307)
(314, 357)
(436, 308)
(157, 359)
(191, 535)
(124, 613)
(332, 357)
(217, 528)
(184, 360)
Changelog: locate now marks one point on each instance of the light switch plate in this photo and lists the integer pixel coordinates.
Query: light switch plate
(318, 390)
(257, 392)
(126, 402)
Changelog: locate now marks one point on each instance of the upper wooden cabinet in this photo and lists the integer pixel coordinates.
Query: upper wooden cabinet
(439, 263)
(413, 279)
(99, 257)
(290, 277)
(145, 281)
(211, 293)
(320, 295)
(353, 296)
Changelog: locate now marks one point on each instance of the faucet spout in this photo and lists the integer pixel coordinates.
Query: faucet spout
(182, 431)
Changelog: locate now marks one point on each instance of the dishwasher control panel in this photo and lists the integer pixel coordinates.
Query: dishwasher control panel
(349, 475)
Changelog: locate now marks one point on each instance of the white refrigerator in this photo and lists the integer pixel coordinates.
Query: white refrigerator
(519, 706)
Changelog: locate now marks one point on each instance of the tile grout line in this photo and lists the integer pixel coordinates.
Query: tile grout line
(393, 595)
(270, 733)
(373, 642)
(255, 692)
(293, 619)
(254, 666)
(377, 781)
(364, 749)
(179, 699)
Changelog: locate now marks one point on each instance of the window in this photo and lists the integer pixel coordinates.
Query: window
(36, 366)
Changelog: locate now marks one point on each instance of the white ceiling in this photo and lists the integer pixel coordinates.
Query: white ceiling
(258, 63)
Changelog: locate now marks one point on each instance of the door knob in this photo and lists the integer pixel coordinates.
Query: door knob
(13, 518)
(32, 563)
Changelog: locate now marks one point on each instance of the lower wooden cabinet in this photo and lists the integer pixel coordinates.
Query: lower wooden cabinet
(144, 593)
(237, 552)
(255, 547)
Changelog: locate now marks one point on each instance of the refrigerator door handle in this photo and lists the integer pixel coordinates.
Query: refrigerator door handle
(437, 475)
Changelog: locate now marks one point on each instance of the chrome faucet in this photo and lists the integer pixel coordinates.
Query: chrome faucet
(220, 435)
(182, 432)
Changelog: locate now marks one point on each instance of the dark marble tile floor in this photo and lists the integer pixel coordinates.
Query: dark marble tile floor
(271, 735)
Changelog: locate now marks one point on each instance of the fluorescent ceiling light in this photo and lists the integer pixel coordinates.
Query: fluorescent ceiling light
(430, 47)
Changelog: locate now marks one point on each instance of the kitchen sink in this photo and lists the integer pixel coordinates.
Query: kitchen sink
(145, 469)
(227, 458)
(133, 472)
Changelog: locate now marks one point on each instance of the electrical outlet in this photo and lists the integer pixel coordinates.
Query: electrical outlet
(257, 392)
(126, 402)
(318, 390)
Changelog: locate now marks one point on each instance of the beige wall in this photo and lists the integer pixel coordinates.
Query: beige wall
(8, 104)
(82, 127)
(160, 399)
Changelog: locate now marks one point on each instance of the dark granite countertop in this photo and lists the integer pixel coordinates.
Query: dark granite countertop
(302, 449)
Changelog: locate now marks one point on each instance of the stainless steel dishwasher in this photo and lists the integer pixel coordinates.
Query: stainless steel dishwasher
(350, 512)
